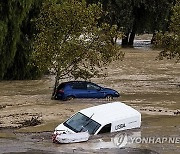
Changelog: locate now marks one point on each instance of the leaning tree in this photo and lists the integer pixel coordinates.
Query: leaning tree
(71, 43)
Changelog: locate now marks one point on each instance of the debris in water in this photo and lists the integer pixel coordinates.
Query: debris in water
(32, 122)
(177, 112)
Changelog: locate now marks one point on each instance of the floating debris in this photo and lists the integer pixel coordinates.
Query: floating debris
(162, 111)
(32, 122)
(2, 106)
(177, 112)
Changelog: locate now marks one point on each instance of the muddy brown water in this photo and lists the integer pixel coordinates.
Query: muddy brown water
(148, 85)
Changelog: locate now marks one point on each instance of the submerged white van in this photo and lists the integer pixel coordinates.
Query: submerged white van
(110, 117)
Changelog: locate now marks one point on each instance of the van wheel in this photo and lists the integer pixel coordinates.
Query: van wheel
(68, 98)
(109, 97)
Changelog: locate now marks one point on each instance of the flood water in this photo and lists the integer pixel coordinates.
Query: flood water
(150, 86)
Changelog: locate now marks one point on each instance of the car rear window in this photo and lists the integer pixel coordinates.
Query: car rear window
(61, 86)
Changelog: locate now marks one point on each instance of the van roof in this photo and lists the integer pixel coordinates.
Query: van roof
(110, 112)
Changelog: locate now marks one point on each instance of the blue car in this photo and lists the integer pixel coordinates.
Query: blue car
(83, 89)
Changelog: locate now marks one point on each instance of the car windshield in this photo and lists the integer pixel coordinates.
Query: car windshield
(79, 122)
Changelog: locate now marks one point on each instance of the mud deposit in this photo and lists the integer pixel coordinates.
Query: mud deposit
(150, 86)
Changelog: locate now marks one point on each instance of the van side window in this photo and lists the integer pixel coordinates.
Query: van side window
(105, 129)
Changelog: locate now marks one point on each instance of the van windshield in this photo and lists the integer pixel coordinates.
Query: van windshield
(79, 122)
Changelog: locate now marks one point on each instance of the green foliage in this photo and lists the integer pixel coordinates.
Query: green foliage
(137, 16)
(70, 42)
(16, 32)
(175, 19)
(170, 41)
(148, 15)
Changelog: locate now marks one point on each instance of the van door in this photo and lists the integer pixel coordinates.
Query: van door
(105, 129)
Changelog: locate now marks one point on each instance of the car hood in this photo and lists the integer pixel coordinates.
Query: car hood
(62, 129)
(109, 89)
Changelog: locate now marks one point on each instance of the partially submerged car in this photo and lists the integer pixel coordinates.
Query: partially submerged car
(110, 117)
(83, 89)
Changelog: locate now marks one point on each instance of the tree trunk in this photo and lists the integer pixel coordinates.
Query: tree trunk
(125, 39)
(131, 38)
(153, 38)
(133, 33)
(55, 87)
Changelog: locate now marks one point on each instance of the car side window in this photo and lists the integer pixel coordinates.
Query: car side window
(105, 129)
(78, 86)
(92, 87)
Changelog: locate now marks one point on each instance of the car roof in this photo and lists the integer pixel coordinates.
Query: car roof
(73, 82)
(110, 112)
